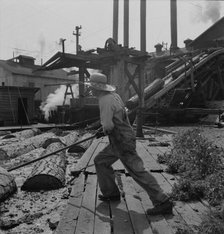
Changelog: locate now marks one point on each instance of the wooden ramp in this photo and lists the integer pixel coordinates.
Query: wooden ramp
(86, 214)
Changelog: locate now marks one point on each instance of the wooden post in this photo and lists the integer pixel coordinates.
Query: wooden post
(139, 132)
(192, 76)
(81, 86)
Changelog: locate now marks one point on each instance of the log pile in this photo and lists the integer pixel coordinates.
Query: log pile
(48, 173)
(7, 184)
(82, 147)
(18, 148)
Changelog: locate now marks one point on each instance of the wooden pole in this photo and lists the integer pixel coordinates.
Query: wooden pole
(81, 86)
(139, 132)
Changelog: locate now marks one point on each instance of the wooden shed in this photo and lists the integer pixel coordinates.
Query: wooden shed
(17, 105)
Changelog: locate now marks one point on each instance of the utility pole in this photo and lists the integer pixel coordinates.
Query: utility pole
(77, 34)
(63, 44)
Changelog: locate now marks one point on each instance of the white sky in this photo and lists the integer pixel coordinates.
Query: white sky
(34, 27)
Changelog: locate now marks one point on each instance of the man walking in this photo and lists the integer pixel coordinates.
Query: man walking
(115, 124)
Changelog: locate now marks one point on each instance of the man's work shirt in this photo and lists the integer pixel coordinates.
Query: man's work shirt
(115, 122)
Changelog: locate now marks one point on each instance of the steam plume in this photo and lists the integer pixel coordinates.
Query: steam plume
(56, 99)
(209, 11)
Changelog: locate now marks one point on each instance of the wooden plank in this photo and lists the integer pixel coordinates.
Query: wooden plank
(69, 218)
(149, 162)
(121, 223)
(84, 160)
(85, 222)
(91, 167)
(138, 216)
(158, 222)
(102, 217)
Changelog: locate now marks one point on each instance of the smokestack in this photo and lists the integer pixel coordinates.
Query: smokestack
(173, 24)
(115, 20)
(143, 24)
(126, 23)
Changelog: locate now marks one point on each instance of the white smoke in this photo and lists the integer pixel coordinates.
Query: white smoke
(209, 11)
(56, 99)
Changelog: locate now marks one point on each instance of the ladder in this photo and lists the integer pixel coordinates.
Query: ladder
(67, 92)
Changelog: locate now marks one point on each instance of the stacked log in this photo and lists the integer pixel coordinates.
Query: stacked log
(24, 134)
(48, 173)
(150, 90)
(68, 139)
(18, 148)
(82, 147)
(7, 184)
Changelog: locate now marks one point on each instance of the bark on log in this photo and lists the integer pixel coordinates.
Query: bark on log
(8, 164)
(19, 148)
(24, 134)
(49, 173)
(69, 139)
(82, 147)
(154, 87)
(7, 184)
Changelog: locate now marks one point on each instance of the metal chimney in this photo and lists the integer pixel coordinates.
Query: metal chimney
(126, 23)
(115, 20)
(143, 24)
(173, 24)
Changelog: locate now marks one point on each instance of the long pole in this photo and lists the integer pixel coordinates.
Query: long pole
(52, 153)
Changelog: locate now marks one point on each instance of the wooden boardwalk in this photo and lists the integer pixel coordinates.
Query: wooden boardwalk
(86, 214)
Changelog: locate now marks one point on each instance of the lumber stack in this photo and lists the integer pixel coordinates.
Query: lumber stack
(7, 184)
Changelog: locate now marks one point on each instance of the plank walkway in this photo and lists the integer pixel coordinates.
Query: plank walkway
(86, 214)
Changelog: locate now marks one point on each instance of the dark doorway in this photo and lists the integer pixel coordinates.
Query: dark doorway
(22, 111)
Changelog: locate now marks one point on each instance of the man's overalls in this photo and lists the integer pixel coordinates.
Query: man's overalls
(122, 146)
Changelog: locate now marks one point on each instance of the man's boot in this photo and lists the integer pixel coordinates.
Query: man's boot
(162, 208)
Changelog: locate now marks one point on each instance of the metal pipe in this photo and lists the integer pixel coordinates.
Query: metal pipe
(143, 24)
(126, 23)
(173, 24)
(115, 20)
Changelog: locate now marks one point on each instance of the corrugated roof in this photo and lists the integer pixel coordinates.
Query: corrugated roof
(17, 68)
(209, 35)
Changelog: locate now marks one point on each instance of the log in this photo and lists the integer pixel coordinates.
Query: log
(8, 164)
(69, 139)
(24, 134)
(49, 173)
(18, 148)
(150, 90)
(18, 136)
(7, 184)
(82, 147)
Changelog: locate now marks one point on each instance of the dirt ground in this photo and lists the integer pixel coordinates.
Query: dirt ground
(39, 212)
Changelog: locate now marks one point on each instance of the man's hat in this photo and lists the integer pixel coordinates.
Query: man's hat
(98, 81)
